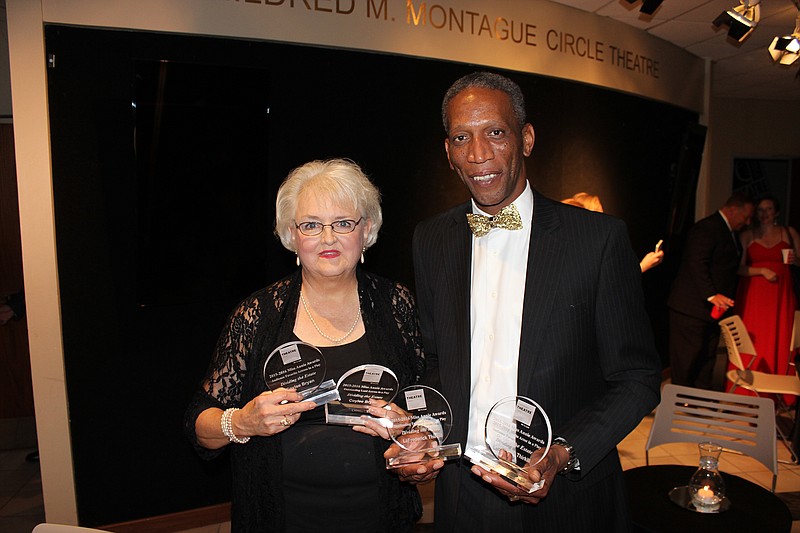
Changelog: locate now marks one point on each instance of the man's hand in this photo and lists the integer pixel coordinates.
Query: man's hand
(720, 300)
(417, 473)
(547, 469)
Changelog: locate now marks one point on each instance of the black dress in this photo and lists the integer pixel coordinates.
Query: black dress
(331, 469)
(265, 471)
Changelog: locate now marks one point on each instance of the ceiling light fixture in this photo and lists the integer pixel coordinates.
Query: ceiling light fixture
(741, 20)
(648, 6)
(785, 50)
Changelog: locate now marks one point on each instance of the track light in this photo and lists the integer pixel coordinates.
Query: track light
(785, 50)
(648, 6)
(741, 20)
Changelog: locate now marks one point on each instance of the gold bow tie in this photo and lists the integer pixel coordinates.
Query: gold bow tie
(507, 218)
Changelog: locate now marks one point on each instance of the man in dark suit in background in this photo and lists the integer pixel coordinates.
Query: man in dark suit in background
(551, 309)
(706, 279)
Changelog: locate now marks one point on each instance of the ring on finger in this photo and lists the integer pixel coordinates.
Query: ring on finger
(513, 497)
(285, 422)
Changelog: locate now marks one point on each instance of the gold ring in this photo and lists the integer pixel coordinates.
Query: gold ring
(513, 497)
(285, 422)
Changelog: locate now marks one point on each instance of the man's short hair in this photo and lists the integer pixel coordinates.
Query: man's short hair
(739, 199)
(486, 80)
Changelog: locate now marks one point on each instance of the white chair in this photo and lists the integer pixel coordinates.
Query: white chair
(745, 424)
(795, 344)
(737, 341)
(63, 528)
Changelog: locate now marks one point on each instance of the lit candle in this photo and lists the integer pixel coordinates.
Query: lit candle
(706, 500)
(706, 494)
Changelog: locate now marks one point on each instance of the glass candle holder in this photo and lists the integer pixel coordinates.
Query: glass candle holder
(706, 486)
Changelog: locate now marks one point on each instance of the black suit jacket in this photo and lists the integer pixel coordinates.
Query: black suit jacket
(708, 266)
(586, 354)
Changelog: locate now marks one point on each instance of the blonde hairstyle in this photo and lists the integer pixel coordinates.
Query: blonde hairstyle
(340, 181)
(586, 201)
(571, 201)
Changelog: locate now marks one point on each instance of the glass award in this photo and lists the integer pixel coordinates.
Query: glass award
(356, 388)
(300, 366)
(423, 427)
(518, 436)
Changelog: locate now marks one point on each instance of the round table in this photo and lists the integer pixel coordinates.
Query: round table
(752, 507)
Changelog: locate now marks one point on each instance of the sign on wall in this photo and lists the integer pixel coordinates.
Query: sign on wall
(532, 36)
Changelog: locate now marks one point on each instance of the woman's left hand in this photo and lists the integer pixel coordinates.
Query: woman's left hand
(769, 275)
(388, 420)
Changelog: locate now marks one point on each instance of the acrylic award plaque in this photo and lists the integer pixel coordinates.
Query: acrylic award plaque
(422, 429)
(518, 435)
(356, 388)
(300, 366)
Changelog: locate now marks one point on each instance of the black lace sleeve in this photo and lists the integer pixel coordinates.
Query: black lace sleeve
(222, 386)
(234, 347)
(405, 314)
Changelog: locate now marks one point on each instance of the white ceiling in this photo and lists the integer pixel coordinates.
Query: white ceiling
(740, 70)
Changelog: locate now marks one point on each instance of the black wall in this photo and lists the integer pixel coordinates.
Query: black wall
(167, 152)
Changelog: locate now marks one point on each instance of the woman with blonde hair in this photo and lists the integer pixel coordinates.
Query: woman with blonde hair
(291, 471)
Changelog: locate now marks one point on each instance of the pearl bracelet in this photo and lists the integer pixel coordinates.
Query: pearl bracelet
(227, 428)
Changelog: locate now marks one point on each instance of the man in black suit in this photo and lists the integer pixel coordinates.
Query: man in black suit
(551, 309)
(706, 279)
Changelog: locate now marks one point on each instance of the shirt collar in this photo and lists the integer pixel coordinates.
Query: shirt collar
(524, 203)
(726, 220)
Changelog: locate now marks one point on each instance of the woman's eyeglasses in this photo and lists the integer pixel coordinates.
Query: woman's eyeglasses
(310, 229)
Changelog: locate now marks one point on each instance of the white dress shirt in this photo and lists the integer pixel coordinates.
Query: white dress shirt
(499, 266)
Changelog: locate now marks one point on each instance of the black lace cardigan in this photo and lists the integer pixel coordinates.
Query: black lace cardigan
(260, 323)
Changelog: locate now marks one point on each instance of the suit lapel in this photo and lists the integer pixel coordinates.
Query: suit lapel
(545, 268)
(546, 259)
(457, 256)
(727, 236)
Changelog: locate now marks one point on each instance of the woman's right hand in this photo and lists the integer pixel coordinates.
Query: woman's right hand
(270, 413)
(769, 275)
(650, 260)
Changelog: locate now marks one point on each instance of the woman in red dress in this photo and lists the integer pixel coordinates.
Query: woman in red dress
(765, 299)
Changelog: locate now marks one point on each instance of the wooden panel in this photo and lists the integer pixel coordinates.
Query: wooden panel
(182, 521)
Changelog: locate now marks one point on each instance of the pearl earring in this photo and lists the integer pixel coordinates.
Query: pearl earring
(297, 259)
(362, 254)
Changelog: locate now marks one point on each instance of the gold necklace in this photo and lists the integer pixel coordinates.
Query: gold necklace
(314, 322)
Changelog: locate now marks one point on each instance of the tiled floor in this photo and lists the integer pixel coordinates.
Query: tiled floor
(21, 505)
